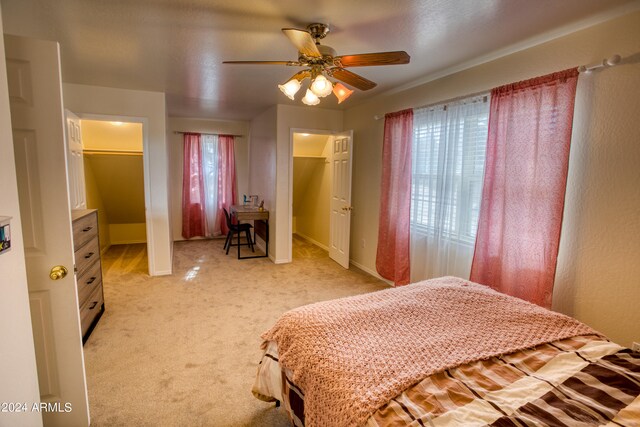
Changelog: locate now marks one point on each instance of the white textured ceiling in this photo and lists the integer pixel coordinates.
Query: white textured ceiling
(177, 46)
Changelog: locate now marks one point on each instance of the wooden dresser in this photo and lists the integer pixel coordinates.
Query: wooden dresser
(88, 268)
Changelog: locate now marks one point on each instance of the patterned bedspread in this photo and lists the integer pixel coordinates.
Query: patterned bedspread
(580, 381)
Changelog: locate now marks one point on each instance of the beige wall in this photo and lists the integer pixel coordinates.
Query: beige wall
(262, 165)
(128, 233)
(105, 135)
(149, 107)
(175, 158)
(598, 276)
(598, 269)
(94, 201)
(291, 117)
(309, 145)
(18, 368)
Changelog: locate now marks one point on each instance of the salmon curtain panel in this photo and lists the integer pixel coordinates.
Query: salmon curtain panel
(524, 186)
(227, 194)
(193, 201)
(208, 184)
(392, 258)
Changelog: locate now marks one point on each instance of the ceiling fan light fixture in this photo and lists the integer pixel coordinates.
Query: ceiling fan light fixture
(310, 98)
(290, 88)
(321, 86)
(341, 92)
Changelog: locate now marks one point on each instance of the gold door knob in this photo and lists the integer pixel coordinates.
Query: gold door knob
(58, 272)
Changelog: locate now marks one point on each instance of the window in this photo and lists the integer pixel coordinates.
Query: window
(449, 144)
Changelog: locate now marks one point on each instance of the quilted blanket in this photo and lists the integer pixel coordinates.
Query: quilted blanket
(353, 355)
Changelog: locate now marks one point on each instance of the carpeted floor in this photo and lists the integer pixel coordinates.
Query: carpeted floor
(182, 350)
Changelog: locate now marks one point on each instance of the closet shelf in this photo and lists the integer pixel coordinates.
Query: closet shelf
(113, 152)
(309, 157)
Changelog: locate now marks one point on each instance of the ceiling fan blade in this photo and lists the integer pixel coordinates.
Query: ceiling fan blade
(289, 63)
(300, 75)
(353, 79)
(370, 59)
(303, 41)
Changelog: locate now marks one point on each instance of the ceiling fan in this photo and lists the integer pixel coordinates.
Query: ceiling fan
(323, 63)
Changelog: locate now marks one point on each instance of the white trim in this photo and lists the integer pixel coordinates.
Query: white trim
(517, 47)
(260, 244)
(312, 241)
(163, 273)
(370, 272)
(104, 249)
(128, 242)
(147, 180)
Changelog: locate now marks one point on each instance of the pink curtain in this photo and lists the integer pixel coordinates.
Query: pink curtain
(227, 193)
(193, 218)
(392, 259)
(524, 186)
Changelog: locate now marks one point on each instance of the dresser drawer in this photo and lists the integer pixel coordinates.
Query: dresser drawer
(90, 309)
(84, 229)
(89, 280)
(86, 255)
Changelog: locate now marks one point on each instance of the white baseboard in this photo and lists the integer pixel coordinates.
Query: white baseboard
(104, 249)
(162, 273)
(128, 242)
(312, 241)
(370, 272)
(260, 245)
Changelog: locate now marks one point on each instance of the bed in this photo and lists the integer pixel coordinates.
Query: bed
(444, 352)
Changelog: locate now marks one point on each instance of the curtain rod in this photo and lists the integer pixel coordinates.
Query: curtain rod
(484, 93)
(204, 133)
(605, 63)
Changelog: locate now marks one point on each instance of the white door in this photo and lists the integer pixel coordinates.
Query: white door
(37, 118)
(75, 160)
(340, 216)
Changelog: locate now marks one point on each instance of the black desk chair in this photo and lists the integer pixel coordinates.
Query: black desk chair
(237, 229)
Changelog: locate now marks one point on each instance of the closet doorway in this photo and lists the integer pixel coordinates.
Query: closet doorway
(311, 198)
(320, 191)
(115, 185)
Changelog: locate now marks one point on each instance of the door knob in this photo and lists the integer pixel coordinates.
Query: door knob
(347, 208)
(58, 272)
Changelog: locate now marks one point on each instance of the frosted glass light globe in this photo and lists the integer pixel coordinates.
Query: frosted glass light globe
(321, 86)
(310, 98)
(290, 88)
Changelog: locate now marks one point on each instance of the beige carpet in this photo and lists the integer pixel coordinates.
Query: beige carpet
(183, 350)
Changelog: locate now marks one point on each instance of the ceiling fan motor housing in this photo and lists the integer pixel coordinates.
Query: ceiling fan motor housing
(326, 50)
(318, 31)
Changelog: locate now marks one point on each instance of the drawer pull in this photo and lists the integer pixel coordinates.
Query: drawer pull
(84, 230)
(91, 280)
(93, 305)
(89, 255)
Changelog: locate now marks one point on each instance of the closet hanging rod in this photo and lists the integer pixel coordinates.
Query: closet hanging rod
(205, 133)
(113, 152)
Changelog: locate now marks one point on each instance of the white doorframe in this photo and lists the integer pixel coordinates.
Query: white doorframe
(290, 205)
(145, 166)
